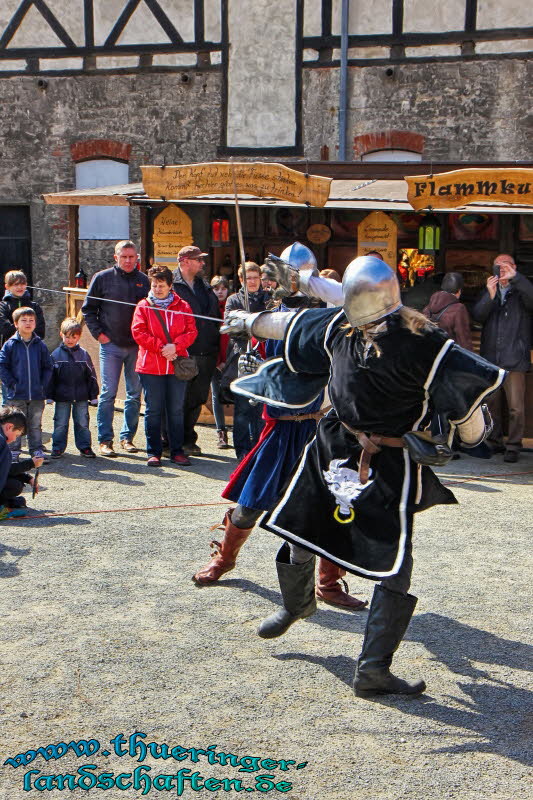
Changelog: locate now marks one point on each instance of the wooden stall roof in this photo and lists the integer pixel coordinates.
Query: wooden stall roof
(386, 195)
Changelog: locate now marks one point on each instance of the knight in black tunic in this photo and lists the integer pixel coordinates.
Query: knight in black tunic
(392, 375)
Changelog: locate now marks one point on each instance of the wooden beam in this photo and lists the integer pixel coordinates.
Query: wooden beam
(73, 243)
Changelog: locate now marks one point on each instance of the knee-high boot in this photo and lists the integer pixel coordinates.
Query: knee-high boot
(225, 554)
(388, 618)
(297, 584)
(332, 589)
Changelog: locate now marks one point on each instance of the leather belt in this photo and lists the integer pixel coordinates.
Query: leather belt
(372, 444)
(300, 417)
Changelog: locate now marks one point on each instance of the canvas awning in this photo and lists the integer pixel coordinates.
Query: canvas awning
(384, 195)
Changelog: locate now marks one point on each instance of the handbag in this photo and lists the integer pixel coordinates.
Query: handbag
(185, 367)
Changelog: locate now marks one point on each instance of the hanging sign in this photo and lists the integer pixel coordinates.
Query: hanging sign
(318, 234)
(252, 178)
(464, 186)
(172, 231)
(379, 232)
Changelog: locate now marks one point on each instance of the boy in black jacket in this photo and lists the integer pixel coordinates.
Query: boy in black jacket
(17, 296)
(72, 385)
(12, 427)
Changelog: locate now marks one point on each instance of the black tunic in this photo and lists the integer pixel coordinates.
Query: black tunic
(324, 507)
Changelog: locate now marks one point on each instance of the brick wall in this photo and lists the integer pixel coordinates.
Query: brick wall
(468, 110)
(152, 117)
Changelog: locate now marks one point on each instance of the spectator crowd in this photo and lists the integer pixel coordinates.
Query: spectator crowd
(161, 330)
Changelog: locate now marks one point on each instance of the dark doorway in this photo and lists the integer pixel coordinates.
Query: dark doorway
(15, 240)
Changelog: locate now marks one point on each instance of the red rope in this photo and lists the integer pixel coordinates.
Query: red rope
(118, 510)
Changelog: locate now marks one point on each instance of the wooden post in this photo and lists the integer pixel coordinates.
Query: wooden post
(143, 220)
(73, 244)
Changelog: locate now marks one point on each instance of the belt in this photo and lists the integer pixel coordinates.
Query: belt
(317, 415)
(372, 444)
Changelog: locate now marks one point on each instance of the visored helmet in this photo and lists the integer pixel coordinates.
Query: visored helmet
(300, 257)
(371, 290)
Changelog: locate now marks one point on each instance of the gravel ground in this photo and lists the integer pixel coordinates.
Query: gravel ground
(104, 634)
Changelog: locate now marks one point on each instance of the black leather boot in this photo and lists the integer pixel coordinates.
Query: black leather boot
(388, 618)
(297, 584)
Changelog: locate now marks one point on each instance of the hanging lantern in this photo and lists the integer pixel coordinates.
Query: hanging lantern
(220, 233)
(429, 235)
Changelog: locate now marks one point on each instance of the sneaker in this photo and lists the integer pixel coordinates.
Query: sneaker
(511, 456)
(40, 454)
(106, 449)
(16, 512)
(128, 446)
(181, 459)
(222, 443)
(56, 453)
(16, 502)
(192, 450)
(87, 452)
(154, 461)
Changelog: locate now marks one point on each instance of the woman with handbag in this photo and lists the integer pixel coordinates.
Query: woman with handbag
(164, 330)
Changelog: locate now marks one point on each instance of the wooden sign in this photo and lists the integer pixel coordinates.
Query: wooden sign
(172, 231)
(379, 232)
(464, 186)
(318, 234)
(252, 178)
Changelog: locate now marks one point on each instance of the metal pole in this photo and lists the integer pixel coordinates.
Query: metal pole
(343, 89)
(239, 235)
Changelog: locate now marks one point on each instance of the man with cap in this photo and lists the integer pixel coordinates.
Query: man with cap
(190, 285)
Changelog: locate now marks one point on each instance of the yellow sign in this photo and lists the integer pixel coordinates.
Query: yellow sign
(464, 186)
(172, 231)
(252, 178)
(378, 232)
(318, 234)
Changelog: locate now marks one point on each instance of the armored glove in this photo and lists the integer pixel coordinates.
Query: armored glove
(249, 363)
(238, 323)
(288, 278)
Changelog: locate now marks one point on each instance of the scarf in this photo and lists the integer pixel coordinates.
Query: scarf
(161, 303)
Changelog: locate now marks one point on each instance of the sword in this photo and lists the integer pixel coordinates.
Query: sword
(35, 487)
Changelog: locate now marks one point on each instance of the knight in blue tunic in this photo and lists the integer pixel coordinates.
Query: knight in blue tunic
(257, 483)
(400, 390)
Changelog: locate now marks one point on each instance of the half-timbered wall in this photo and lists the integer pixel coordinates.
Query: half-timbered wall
(189, 80)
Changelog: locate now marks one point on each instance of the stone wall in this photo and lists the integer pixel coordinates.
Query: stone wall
(469, 110)
(161, 117)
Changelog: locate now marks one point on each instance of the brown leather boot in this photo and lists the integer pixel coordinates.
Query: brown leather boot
(225, 555)
(332, 589)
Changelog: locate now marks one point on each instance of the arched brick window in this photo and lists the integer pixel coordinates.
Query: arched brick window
(102, 162)
(389, 146)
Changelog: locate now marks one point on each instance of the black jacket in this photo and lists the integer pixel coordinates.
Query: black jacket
(506, 334)
(203, 301)
(8, 304)
(114, 319)
(258, 302)
(73, 377)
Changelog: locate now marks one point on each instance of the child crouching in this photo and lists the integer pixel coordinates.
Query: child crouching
(72, 385)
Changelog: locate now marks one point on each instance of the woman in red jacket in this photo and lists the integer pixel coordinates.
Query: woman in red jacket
(163, 392)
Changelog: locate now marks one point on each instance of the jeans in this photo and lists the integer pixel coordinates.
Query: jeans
(80, 415)
(218, 408)
(247, 425)
(163, 397)
(112, 359)
(33, 409)
(196, 395)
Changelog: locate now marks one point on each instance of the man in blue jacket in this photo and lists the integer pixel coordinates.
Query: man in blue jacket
(110, 325)
(25, 371)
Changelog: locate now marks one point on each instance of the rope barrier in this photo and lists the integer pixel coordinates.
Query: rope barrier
(133, 305)
(118, 510)
(461, 478)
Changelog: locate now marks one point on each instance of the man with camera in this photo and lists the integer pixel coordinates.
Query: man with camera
(504, 309)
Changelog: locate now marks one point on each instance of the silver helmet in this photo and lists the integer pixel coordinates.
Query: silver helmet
(300, 257)
(371, 290)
